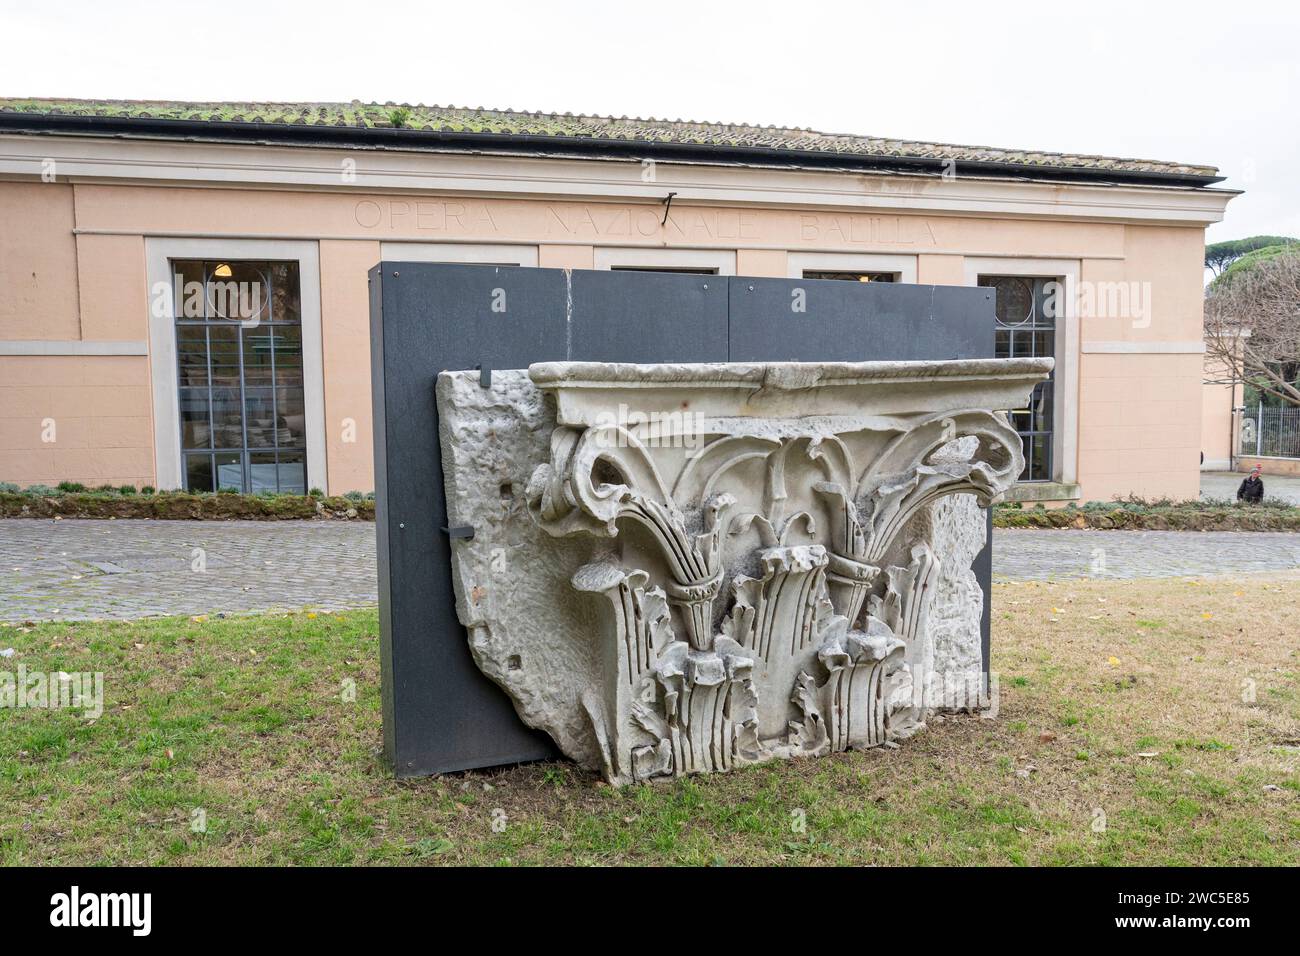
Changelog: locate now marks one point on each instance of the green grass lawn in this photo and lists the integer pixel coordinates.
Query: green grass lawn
(235, 741)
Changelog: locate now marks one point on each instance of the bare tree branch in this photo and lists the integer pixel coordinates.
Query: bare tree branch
(1252, 327)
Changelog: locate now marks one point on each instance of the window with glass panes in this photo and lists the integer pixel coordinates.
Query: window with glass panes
(850, 276)
(681, 270)
(1026, 326)
(239, 358)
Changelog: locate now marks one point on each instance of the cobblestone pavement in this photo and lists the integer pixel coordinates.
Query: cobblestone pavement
(1030, 555)
(1224, 484)
(77, 569)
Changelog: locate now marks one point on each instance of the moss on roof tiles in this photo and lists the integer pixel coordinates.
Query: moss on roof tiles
(568, 126)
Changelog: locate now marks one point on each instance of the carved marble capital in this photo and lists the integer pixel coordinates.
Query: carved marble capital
(748, 573)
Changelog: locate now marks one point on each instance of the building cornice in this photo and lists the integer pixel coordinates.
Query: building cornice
(146, 162)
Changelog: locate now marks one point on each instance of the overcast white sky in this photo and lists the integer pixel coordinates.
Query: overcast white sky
(1215, 83)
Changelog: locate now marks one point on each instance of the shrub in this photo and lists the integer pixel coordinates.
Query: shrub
(70, 487)
(1219, 502)
(9, 487)
(147, 489)
(316, 493)
(126, 489)
(40, 491)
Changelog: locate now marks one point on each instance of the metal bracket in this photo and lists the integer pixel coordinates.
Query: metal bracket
(459, 531)
(668, 204)
(484, 376)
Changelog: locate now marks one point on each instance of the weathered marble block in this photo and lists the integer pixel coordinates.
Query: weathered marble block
(686, 568)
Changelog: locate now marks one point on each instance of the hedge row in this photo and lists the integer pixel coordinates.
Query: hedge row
(179, 504)
(1131, 515)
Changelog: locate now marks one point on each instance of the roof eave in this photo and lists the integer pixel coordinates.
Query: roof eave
(282, 134)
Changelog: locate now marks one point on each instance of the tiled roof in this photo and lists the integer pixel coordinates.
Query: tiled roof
(576, 128)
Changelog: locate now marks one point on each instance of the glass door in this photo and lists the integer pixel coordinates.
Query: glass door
(239, 357)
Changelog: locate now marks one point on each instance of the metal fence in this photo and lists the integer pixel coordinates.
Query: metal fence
(1270, 432)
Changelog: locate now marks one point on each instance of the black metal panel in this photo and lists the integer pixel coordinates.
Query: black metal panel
(440, 712)
(627, 316)
(827, 320)
(383, 553)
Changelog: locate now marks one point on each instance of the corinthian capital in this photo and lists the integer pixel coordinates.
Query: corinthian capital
(720, 563)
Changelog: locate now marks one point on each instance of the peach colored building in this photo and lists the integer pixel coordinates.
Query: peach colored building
(122, 223)
(1220, 424)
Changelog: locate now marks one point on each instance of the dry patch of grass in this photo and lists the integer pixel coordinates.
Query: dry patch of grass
(1152, 722)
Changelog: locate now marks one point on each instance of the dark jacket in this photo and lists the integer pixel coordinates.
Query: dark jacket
(1251, 491)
